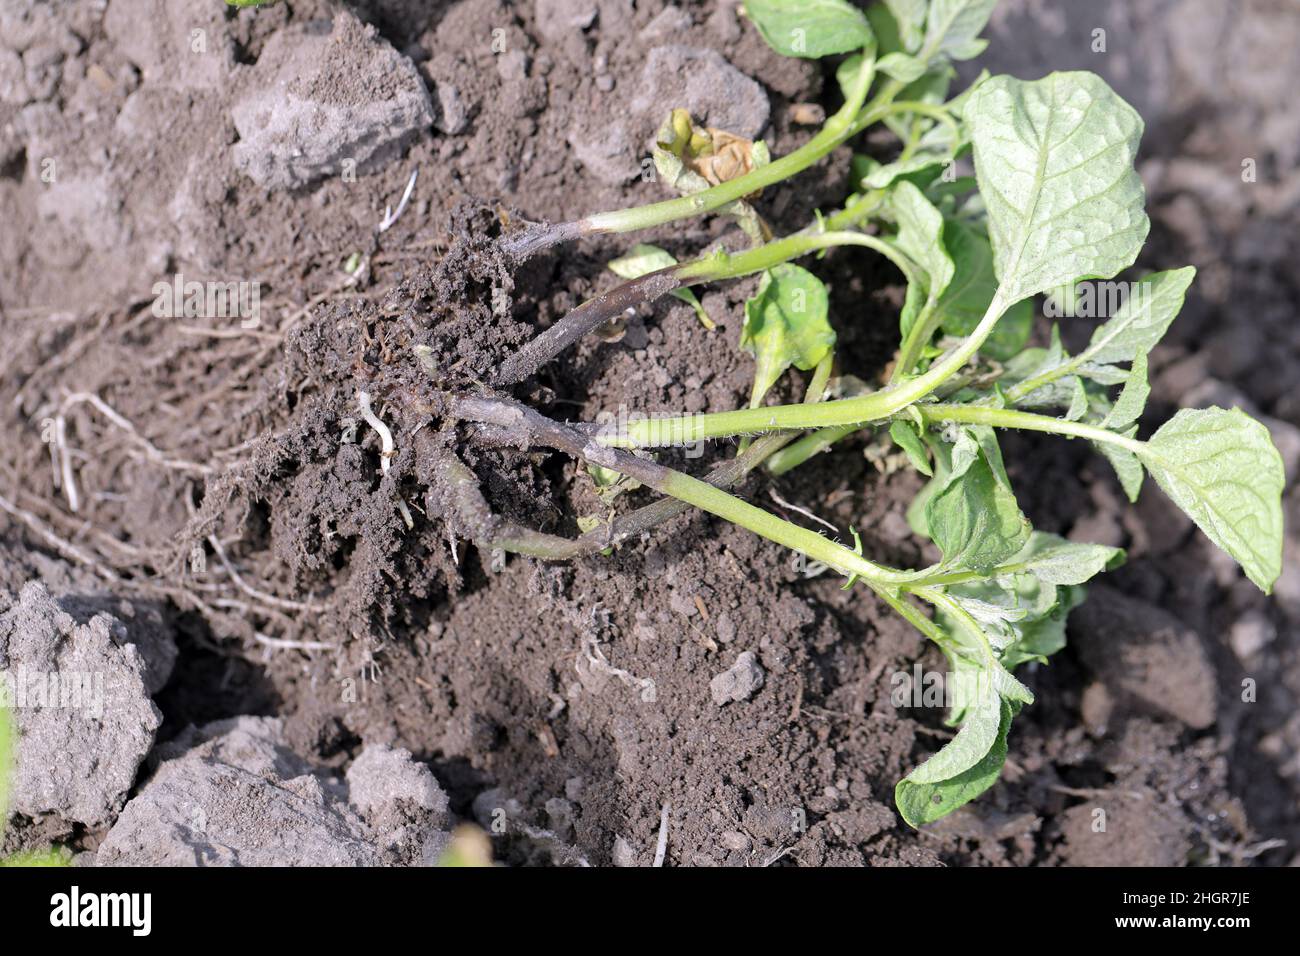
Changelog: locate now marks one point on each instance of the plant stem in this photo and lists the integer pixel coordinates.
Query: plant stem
(1023, 388)
(721, 265)
(941, 599)
(586, 318)
(1009, 418)
(527, 427)
(595, 312)
(850, 120)
(847, 122)
(725, 475)
(811, 444)
(875, 406)
(810, 543)
(918, 336)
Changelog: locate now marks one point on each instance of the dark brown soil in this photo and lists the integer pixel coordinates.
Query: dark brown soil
(249, 504)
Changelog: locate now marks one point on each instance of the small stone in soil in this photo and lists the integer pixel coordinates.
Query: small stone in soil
(1252, 632)
(739, 682)
(623, 854)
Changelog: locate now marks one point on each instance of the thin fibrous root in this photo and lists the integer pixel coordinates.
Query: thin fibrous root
(390, 217)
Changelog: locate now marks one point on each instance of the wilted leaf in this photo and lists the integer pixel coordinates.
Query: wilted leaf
(786, 323)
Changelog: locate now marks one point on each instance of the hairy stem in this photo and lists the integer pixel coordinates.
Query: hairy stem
(1009, 418)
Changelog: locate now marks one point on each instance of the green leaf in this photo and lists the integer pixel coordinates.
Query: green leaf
(919, 226)
(977, 735)
(953, 27)
(1103, 374)
(974, 517)
(1142, 320)
(846, 74)
(901, 67)
(1078, 400)
(810, 28)
(905, 437)
(916, 519)
(1221, 468)
(909, 20)
(644, 258)
(786, 324)
(924, 802)
(1054, 159)
(1127, 467)
(1133, 399)
(1020, 611)
(968, 295)
(1041, 638)
(1054, 560)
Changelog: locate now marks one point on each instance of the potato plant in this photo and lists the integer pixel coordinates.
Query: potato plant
(1054, 201)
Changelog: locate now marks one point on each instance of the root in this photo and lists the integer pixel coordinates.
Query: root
(254, 593)
(390, 217)
(385, 436)
(661, 848)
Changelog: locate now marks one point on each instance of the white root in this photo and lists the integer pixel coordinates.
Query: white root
(661, 848)
(255, 593)
(68, 479)
(387, 448)
(283, 644)
(390, 217)
(803, 511)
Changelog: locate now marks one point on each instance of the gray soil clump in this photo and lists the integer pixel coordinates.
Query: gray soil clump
(232, 794)
(83, 714)
(739, 682)
(1146, 657)
(306, 116)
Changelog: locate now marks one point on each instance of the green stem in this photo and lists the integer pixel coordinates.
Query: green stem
(811, 444)
(940, 599)
(820, 376)
(918, 336)
(1022, 389)
(722, 265)
(912, 614)
(740, 512)
(1009, 418)
(875, 406)
(850, 120)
